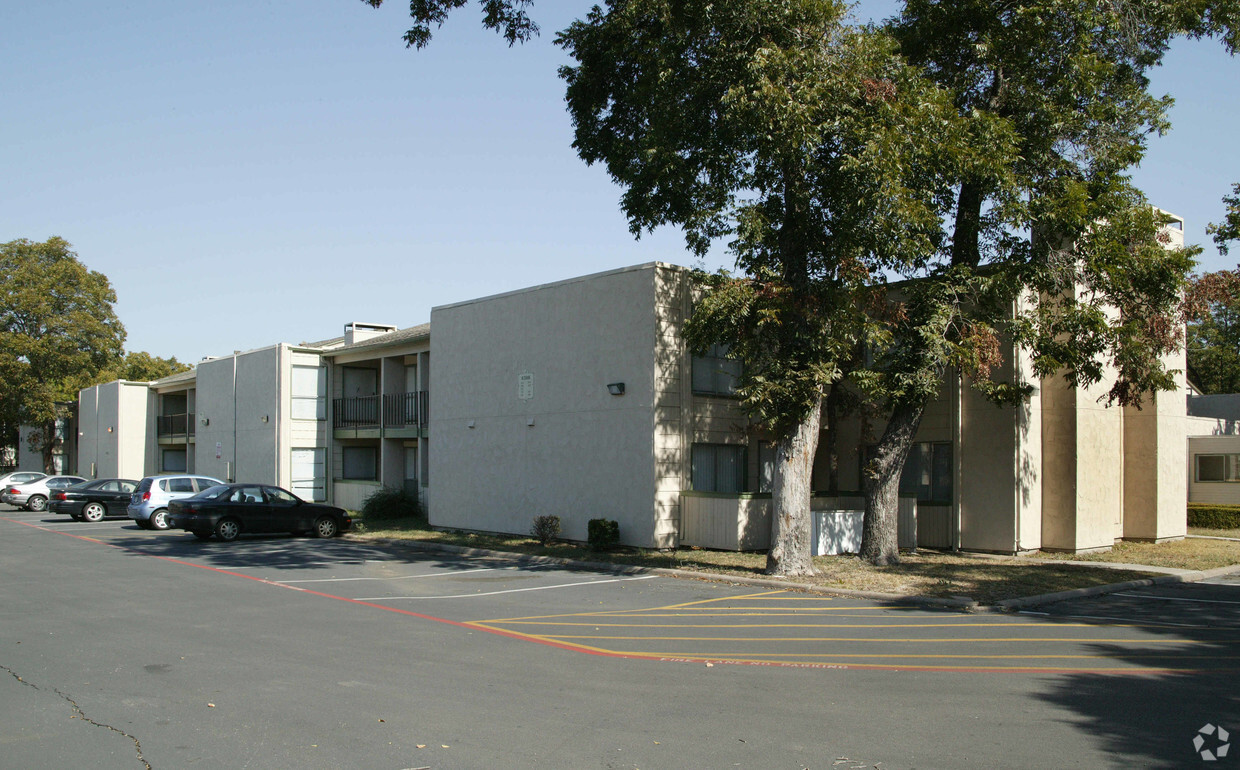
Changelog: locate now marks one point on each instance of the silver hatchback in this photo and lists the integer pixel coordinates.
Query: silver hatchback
(149, 503)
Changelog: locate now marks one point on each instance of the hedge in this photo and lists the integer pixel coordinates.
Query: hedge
(1212, 516)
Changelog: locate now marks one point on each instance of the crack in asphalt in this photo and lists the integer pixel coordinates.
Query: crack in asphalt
(82, 715)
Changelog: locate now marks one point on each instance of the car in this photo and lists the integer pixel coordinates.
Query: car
(228, 510)
(148, 505)
(20, 477)
(92, 500)
(33, 494)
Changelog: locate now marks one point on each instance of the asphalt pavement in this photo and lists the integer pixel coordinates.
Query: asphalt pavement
(126, 648)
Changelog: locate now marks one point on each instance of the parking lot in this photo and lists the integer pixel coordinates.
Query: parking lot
(1181, 628)
(120, 644)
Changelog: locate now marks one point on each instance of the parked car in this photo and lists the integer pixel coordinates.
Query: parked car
(148, 505)
(92, 500)
(33, 494)
(19, 477)
(230, 509)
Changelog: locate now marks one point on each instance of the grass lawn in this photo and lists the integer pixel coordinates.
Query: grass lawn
(1203, 532)
(926, 573)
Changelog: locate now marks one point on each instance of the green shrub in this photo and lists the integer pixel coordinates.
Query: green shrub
(545, 529)
(1212, 516)
(602, 534)
(390, 503)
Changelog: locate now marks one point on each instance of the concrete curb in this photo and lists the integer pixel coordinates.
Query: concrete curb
(957, 603)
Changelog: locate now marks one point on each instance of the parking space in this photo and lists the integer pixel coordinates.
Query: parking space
(1181, 628)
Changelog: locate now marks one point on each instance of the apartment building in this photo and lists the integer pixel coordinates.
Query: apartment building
(580, 399)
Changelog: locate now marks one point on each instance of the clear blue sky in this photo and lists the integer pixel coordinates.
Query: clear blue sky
(269, 170)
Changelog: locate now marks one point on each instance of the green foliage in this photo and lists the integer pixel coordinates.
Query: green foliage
(602, 534)
(507, 17)
(1229, 229)
(1213, 335)
(143, 367)
(58, 331)
(545, 529)
(390, 503)
(1211, 516)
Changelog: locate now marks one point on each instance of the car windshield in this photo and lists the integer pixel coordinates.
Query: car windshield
(211, 493)
(89, 484)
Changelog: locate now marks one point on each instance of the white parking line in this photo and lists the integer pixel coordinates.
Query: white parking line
(1179, 599)
(506, 591)
(402, 577)
(1124, 621)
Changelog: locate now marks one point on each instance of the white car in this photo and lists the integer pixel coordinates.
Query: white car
(19, 477)
(33, 494)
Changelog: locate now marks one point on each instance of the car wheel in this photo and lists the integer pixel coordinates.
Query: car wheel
(36, 503)
(203, 535)
(93, 512)
(227, 529)
(159, 519)
(325, 527)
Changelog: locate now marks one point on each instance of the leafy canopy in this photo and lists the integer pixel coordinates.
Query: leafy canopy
(58, 329)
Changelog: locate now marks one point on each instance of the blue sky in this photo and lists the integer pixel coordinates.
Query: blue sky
(269, 170)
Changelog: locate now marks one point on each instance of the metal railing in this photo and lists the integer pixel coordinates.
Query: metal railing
(171, 425)
(399, 410)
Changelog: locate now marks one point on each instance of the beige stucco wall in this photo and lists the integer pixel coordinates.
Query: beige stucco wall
(1082, 467)
(1155, 455)
(571, 449)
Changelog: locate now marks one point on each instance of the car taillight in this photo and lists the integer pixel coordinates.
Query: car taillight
(59, 496)
(146, 495)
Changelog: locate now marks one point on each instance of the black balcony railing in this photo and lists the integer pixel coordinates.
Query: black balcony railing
(355, 412)
(172, 425)
(399, 410)
(405, 410)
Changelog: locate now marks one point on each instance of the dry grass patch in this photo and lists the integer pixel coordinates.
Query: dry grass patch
(1204, 532)
(1190, 553)
(928, 574)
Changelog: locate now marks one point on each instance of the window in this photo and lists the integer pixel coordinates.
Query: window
(766, 467)
(174, 460)
(178, 485)
(360, 463)
(928, 473)
(715, 373)
(1218, 467)
(718, 468)
(308, 395)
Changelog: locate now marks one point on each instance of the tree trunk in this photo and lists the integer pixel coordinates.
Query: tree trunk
(791, 528)
(880, 543)
(49, 442)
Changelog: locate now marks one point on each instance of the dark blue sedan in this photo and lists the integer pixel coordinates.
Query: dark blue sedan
(228, 510)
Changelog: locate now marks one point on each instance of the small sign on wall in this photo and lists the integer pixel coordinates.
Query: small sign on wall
(525, 386)
(219, 449)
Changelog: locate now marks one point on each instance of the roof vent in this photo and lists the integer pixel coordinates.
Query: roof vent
(357, 332)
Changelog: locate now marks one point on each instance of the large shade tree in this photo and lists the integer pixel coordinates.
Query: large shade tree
(806, 144)
(58, 334)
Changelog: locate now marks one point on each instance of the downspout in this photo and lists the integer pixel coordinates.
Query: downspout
(1021, 416)
(958, 457)
(232, 469)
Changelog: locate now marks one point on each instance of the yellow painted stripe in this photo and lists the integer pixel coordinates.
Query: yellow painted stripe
(961, 640)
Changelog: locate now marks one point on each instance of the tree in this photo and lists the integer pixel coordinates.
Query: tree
(1229, 229)
(143, 367)
(58, 333)
(1064, 235)
(806, 142)
(507, 17)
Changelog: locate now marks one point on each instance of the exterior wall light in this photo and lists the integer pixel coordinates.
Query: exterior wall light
(205, 421)
(615, 388)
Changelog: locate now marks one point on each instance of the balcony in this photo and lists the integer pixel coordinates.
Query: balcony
(394, 415)
(174, 428)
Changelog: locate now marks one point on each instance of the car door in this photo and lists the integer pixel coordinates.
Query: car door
(250, 505)
(285, 510)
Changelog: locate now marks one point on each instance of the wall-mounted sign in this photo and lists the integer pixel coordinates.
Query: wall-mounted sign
(525, 386)
(219, 449)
